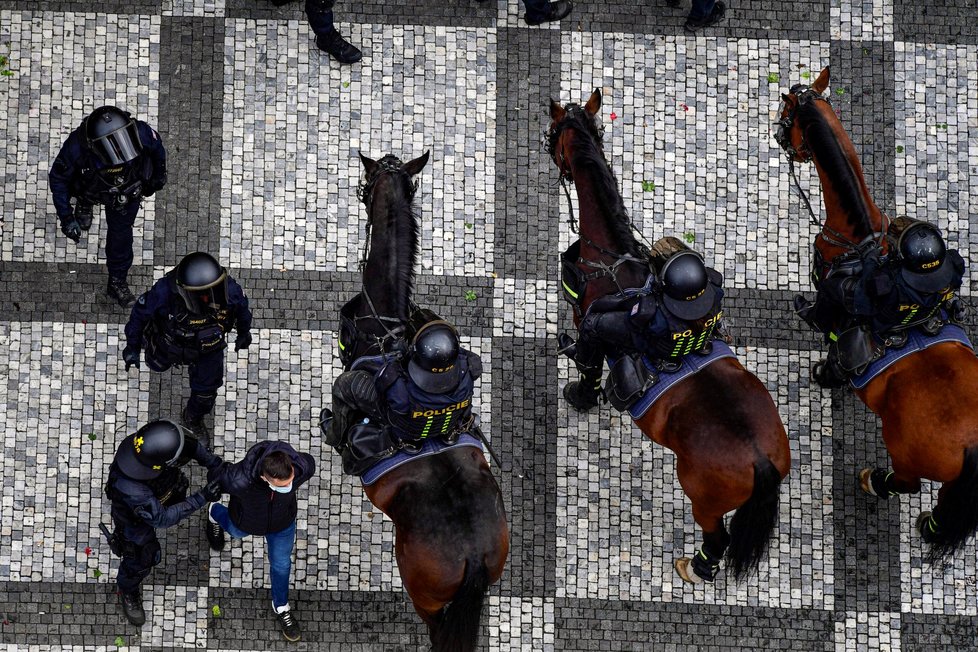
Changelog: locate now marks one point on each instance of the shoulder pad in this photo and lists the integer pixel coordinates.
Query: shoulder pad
(475, 365)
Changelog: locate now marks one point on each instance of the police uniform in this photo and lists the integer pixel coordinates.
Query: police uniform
(678, 312)
(171, 334)
(78, 173)
(146, 497)
(399, 401)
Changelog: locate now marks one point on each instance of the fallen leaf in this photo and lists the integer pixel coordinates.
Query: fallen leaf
(88, 551)
(92, 436)
(120, 642)
(216, 610)
(97, 573)
(773, 78)
(614, 116)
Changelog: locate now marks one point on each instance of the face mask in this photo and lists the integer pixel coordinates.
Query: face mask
(282, 490)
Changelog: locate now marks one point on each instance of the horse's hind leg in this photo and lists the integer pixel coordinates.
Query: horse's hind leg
(884, 484)
(705, 564)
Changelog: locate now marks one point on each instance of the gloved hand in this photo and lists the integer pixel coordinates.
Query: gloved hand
(71, 228)
(879, 284)
(212, 491)
(151, 188)
(243, 341)
(130, 355)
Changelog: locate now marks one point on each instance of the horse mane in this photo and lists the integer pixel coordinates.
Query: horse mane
(396, 231)
(831, 153)
(587, 154)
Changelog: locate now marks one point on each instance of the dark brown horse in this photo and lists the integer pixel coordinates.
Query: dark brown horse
(730, 445)
(928, 401)
(451, 536)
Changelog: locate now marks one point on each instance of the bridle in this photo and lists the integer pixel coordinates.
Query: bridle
(803, 154)
(577, 119)
(387, 165)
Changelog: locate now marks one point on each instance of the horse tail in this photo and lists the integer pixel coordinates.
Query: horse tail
(958, 507)
(754, 521)
(458, 628)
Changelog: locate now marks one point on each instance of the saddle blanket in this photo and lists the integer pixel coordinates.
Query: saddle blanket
(401, 457)
(917, 340)
(691, 364)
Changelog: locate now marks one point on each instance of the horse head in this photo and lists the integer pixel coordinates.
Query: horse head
(808, 129)
(387, 190)
(569, 122)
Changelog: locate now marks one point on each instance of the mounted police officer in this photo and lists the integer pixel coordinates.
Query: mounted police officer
(183, 320)
(398, 401)
(678, 312)
(867, 303)
(113, 160)
(148, 490)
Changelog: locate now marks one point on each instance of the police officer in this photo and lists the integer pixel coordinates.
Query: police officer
(425, 393)
(148, 490)
(914, 287)
(113, 160)
(183, 320)
(679, 314)
(328, 39)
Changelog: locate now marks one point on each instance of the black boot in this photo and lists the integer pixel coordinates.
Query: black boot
(828, 374)
(84, 215)
(555, 11)
(193, 422)
(580, 397)
(215, 533)
(338, 47)
(119, 290)
(132, 607)
(719, 9)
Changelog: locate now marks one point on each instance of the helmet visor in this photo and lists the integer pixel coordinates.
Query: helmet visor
(118, 147)
(201, 299)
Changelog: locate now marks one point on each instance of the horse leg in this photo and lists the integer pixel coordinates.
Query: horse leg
(705, 564)
(884, 484)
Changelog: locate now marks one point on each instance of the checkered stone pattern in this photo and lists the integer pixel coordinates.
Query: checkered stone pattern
(596, 513)
(289, 206)
(60, 60)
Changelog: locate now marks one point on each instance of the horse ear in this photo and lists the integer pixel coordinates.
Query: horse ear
(368, 164)
(557, 112)
(822, 82)
(415, 166)
(789, 100)
(594, 102)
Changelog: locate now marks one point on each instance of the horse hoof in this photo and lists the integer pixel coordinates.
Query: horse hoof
(865, 481)
(685, 572)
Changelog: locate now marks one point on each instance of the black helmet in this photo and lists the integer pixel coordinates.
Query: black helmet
(112, 135)
(922, 253)
(156, 445)
(687, 292)
(201, 282)
(433, 364)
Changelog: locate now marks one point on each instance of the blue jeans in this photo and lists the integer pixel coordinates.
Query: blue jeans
(279, 552)
(701, 9)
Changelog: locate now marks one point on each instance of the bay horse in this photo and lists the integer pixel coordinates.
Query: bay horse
(731, 448)
(927, 401)
(451, 535)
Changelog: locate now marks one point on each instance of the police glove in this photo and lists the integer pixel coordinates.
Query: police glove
(212, 491)
(243, 341)
(71, 228)
(130, 355)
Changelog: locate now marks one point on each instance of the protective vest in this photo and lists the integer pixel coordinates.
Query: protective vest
(685, 337)
(170, 487)
(415, 414)
(906, 307)
(115, 186)
(186, 336)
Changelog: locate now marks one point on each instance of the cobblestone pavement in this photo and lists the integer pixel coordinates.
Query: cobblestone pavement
(262, 134)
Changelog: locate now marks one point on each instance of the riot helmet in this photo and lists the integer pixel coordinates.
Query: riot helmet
(686, 288)
(433, 358)
(922, 254)
(111, 134)
(201, 282)
(155, 446)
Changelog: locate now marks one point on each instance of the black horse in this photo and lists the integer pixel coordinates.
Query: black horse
(451, 535)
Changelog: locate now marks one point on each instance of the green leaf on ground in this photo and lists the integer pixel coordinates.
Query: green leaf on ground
(92, 436)
(648, 186)
(806, 74)
(942, 125)
(468, 225)
(470, 295)
(120, 642)
(689, 237)
(773, 77)
(899, 149)
(216, 610)
(840, 91)
(346, 84)
(96, 573)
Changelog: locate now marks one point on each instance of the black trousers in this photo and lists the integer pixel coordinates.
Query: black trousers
(141, 548)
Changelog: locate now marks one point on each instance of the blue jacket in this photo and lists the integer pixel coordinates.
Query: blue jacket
(254, 507)
(163, 301)
(138, 496)
(75, 170)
